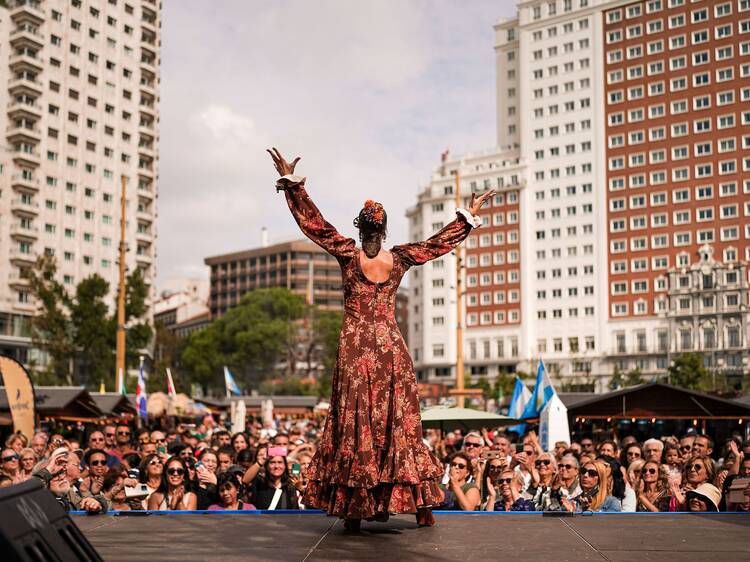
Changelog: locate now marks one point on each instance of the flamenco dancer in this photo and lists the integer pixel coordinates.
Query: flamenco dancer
(371, 461)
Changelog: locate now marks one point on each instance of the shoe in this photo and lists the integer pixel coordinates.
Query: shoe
(352, 525)
(382, 517)
(425, 518)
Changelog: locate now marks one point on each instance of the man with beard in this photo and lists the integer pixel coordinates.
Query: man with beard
(55, 479)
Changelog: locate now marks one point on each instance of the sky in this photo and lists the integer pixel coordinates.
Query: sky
(367, 92)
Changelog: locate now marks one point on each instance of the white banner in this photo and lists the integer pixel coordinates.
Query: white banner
(553, 424)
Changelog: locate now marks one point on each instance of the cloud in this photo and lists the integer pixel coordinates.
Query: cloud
(368, 93)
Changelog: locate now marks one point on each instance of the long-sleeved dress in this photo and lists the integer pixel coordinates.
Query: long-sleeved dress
(371, 457)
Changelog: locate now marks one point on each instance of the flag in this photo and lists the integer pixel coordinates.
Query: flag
(170, 384)
(122, 390)
(229, 382)
(542, 394)
(140, 393)
(518, 401)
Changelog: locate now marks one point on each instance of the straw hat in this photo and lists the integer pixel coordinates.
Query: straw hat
(708, 493)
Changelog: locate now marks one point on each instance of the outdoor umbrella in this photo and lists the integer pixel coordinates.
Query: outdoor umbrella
(450, 418)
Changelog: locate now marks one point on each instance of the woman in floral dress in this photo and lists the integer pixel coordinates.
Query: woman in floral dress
(371, 460)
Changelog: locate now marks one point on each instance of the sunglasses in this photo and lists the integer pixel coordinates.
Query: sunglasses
(123, 433)
(176, 472)
(155, 461)
(590, 473)
(650, 470)
(10, 458)
(496, 468)
(467, 444)
(96, 439)
(587, 445)
(635, 454)
(98, 463)
(697, 467)
(567, 466)
(504, 480)
(545, 462)
(458, 465)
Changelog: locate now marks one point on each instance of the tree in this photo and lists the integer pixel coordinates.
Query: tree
(50, 329)
(251, 338)
(92, 331)
(687, 371)
(624, 380)
(326, 330)
(139, 332)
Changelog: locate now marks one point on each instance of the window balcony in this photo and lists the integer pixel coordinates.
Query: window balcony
(27, 10)
(24, 158)
(18, 108)
(15, 280)
(25, 85)
(24, 182)
(20, 206)
(20, 231)
(25, 35)
(22, 258)
(21, 61)
(23, 133)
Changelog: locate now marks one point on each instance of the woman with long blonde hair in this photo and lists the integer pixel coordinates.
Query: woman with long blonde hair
(595, 487)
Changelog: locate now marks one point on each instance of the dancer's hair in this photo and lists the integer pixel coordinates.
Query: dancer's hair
(372, 221)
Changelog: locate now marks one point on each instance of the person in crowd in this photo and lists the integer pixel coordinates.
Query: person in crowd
(473, 446)
(731, 465)
(220, 439)
(686, 447)
(5, 481)
(672, 457)
(96, 440)
(618, 487)
(16, 441)
(460, 493)
(239, 442)
(173, 492)
(122, 441)
(150, 473)
(631, 453)
(110, 437)
(27, 461)
(542, 481)
(74, 470)
(114, 489)
(699, 469)
(703, 445)
(595, 488)
(566, 485)
(276, 488)
(524, 464)
(53, 475)
(743, 472)
(225, 458)
(705, 497)
(560, 448)
(653, 488)
(635, 470)
(245, 459)
(607, 448)
(504, 493)
(587, 446)
(10, 465)
(653, 450)
(281, 440)
(230, 490)
(96, 462)
(39, 444)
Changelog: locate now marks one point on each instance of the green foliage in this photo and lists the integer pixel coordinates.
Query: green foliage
(687, 371)
(50, 329)
(78, 333)
(623, 380)
(291, 385)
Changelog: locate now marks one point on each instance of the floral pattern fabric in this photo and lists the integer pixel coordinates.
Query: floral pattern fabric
(371, 457)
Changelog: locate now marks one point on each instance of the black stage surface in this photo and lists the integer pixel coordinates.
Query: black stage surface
(530, 537)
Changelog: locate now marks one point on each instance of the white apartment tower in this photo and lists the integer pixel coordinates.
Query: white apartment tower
(79, 86)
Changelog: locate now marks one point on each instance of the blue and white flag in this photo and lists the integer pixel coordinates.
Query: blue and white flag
(521, 397)
(542, 394)
(140, 394)
(230, 383)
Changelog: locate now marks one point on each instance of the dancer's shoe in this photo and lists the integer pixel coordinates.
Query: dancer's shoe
(425, 518)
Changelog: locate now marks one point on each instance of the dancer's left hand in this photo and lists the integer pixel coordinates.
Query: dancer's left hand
(282, 166)
(478, 202)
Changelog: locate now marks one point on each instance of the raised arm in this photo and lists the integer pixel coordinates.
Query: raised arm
(445, 240)
(304, 211)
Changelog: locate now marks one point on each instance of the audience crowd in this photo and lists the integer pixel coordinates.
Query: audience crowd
(205, 467)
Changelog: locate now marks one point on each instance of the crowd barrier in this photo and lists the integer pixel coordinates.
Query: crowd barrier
(145, 513)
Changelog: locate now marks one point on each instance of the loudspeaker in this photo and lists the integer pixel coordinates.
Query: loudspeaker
(35, 528)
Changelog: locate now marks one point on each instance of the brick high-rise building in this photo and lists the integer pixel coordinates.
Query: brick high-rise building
(627, 129)
(79, 87)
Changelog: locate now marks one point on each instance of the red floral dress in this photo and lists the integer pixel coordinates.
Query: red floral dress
(371, 457)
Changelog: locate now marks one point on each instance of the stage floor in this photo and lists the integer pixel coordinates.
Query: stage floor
(529, 537)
